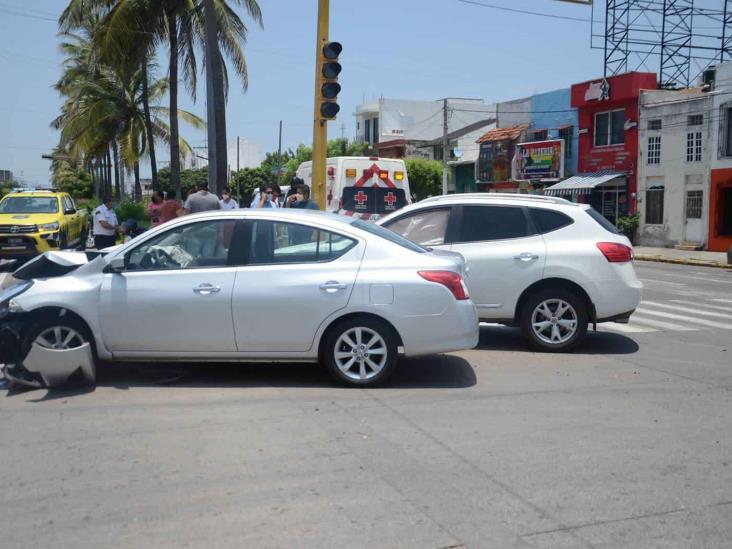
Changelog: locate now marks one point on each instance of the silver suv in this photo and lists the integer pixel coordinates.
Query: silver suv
(541, 263)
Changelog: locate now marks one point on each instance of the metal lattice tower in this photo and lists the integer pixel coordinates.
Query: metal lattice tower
(678, 39)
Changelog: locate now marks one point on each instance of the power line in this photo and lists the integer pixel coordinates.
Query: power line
(525, 12)
(23, 12)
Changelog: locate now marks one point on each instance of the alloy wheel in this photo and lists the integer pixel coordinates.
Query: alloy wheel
(554, 321)
(360, 353)
(59, 338)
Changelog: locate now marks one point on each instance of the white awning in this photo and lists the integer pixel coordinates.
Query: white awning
(585, 183)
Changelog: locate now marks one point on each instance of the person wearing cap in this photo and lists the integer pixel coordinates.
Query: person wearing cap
(201, 201)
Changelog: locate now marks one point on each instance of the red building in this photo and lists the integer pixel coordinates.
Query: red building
(608, 141)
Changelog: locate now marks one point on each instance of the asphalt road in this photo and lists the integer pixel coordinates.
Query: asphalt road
(626, 443)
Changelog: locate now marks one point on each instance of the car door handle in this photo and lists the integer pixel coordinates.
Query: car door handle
(526, 256)
(333, 286)
(206, 289)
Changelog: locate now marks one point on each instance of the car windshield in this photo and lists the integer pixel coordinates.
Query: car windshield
(29, 205)
(388, 235)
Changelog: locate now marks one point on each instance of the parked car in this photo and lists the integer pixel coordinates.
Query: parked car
(240, 285)
(542, 263)
(36, 221)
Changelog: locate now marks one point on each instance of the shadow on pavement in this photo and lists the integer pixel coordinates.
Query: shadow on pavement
(504, 338)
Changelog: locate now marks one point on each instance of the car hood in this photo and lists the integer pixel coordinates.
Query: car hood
(52, 264)
(27, 219)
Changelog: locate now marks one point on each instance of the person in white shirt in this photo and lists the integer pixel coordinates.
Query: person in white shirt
(226, 202)
(105, 225)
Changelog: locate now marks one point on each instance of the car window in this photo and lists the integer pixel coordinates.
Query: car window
(388, 235)
(195, 245)
(425, 227)
(547, 221)
(482, 223)
(273, 242)
(602, 221)
(68, 205)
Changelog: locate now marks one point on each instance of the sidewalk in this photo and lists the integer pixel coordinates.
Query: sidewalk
(683, 257)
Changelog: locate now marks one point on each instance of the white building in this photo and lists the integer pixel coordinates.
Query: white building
(250, 156)
(674, 156)
(396, 127)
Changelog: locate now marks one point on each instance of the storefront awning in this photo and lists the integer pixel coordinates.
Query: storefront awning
(585, 183)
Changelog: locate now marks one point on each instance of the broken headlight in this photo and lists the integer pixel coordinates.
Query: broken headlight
(7, 295)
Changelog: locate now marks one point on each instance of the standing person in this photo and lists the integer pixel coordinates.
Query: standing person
(201, 201)
(295, 184)
(302, 199)
(105, 225)
(154, 208)
(170, 208)
(226, 202)
(264, 198)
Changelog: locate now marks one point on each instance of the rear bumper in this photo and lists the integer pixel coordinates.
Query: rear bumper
(453, 330)
(617, 295)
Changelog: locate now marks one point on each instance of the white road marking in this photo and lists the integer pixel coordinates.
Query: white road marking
(624, 328)
(641, 320)
(697, 310)
(706, 305)
(701, 278)
(655, 281)
(722, 300)
(672, 316)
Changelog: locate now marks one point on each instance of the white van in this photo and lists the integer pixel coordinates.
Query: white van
(369, 187)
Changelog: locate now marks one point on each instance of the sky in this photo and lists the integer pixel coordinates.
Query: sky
(403, 49)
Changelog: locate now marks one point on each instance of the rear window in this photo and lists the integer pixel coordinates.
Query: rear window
(388, 235)
(547, 221)
(373, 200)
(603, 222)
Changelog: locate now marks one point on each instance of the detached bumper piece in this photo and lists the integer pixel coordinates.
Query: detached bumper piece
(47, 368)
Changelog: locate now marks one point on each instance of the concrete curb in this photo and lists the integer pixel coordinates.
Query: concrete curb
(678, 261)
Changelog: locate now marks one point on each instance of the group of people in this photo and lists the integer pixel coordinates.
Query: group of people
(164, 207)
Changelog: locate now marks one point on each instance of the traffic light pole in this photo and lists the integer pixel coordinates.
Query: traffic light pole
(320, 125)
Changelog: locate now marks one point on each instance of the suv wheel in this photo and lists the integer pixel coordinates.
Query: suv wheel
(361, 352)
(554, 320)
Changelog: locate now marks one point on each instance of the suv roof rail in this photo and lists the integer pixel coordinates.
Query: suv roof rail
(506, 196)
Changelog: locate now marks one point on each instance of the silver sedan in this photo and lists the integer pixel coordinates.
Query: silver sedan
(242, 285)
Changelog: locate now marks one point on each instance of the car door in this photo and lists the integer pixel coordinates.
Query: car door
(71, 219)
(504, 254)
(174, 294)
(427, 227)
(296, 276)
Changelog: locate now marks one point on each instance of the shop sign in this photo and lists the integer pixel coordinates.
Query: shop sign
(598, 91)
(538, 160)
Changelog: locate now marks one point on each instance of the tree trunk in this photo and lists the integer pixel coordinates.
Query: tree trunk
(138, 187)
(148, 128)
(108, 170)
(115, 153)
(174, 136)
(95, 183)
(216, 101)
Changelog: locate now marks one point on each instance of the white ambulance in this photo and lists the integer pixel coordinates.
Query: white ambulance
(367, 187)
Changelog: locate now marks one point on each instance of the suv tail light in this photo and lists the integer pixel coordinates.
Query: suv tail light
(615, 253)
(452, 281)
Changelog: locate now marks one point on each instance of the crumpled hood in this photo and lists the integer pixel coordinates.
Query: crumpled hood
(51, 264)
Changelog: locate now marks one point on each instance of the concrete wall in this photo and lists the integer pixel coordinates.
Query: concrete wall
(674, 172)
(553, 110)
(513, 113)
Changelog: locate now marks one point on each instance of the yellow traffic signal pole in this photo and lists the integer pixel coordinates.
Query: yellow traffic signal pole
(320, 125)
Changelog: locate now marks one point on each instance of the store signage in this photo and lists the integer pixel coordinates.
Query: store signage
(598, 91)
(538, 160)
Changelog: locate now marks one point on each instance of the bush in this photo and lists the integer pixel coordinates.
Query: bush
(628, 225)
(130, 210)
(425, 177)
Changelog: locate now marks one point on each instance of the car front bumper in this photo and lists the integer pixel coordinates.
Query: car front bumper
(17, 246)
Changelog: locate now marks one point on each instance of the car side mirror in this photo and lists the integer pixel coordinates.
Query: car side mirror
(69, 211)
(116, 265)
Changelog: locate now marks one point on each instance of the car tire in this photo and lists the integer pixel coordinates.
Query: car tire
(69, 327)
(81, 246)
(63, 241)
(554, 320)
(354, 363)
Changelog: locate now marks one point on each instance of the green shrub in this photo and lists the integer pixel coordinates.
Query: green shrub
(130, 210)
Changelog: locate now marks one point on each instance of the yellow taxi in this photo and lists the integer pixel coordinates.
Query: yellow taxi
(37, 221)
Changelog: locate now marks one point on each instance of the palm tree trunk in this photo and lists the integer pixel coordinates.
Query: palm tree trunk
(173, 92)
(108, 170)
(115, 153)
(138, 187)
(148, 127)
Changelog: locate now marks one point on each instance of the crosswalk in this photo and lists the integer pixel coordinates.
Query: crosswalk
(676, 315)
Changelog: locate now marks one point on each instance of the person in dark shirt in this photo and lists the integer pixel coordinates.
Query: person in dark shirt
(302, 199)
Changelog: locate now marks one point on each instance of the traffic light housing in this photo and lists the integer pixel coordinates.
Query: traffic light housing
(329, 86)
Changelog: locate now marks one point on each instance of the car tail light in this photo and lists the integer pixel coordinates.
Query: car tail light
(615, 252)
(452, 281)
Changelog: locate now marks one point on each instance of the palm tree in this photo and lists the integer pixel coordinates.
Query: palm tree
(140, 25)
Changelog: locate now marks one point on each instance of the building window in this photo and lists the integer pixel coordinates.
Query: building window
(654, 206)
(694, 204)
(610, 128)
(367, 128)
(654, 125)
(375, 126)
(728, 132)
(654, 150)
(694, 146)
(695, 120)
(539, 135)
(567, 134)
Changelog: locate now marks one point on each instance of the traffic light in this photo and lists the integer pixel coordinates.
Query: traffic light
(329, 87)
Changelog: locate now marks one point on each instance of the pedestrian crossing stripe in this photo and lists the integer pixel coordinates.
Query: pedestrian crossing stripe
(683, 309)
(691, 319)
(708, 306)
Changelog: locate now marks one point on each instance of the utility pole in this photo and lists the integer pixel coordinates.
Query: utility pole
(320, 125)
(279, 156)
(445, 145)
(216, 104)
(238, 197)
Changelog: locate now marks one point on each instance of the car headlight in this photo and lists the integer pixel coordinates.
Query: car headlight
(7, 297)
(50, 226)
